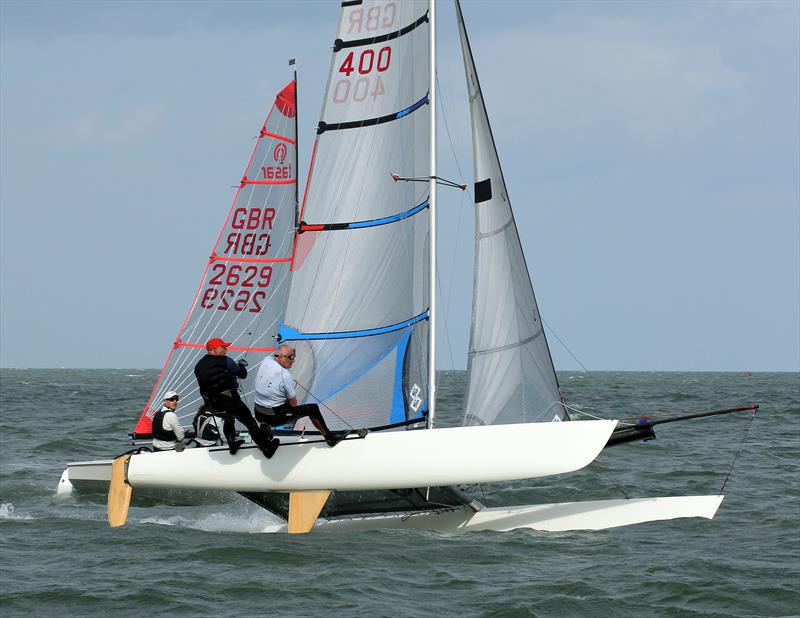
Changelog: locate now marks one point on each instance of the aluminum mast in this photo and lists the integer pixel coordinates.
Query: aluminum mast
(432, 198)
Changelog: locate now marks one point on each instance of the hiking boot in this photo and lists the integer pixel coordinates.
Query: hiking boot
(271, 447)
(235, 446)
(334, 437)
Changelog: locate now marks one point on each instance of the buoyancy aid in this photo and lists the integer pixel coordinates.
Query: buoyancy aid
(159, 433)
(213, 375)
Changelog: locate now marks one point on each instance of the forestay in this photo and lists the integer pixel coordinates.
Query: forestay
(358, 306)
(243, 292)
(510, 373)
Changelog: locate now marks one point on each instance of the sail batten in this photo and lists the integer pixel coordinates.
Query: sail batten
(325, 227)
(339, 44)
(288, 334)
(508, 346)
(369, 122)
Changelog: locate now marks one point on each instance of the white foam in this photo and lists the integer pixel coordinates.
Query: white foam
(7, 512)
(221, 522)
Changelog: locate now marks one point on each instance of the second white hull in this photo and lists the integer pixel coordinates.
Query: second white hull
(557, 517)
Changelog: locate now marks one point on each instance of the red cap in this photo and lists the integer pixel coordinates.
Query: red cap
(216, 342)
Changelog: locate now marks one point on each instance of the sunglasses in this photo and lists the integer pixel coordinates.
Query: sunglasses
(172, 399)
(289, 356)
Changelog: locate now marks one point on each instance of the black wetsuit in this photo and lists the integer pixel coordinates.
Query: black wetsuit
(284, 414)
(217, 378)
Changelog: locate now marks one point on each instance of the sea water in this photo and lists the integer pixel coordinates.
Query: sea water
(59, 557)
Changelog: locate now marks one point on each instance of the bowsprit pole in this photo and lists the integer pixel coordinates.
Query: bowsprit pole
(643, 430)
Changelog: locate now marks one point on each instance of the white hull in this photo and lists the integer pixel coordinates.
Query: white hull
(422, 458)
(94, 477)
(558, 517)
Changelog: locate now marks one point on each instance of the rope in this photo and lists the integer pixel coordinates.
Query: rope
(581, 412)
(616, 481)
(738, 452)
(446, 320)
(322, 403)
(448, 296)
(555, 334)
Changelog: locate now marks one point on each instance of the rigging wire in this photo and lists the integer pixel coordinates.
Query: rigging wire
(555, 334)
(458, 224)
(448, 296)
(604, 469)
(445, 321)
(738, 452)
(324, 405)
(447, 128)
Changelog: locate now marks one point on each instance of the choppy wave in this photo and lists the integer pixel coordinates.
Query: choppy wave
(192, 560)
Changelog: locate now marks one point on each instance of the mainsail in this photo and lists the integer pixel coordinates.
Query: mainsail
(510, 374)
(242, 295)
(358, 305)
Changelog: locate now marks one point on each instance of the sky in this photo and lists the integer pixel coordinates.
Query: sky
(651, 152)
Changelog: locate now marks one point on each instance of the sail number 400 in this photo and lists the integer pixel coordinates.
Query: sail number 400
(365, 63)
(224, 298)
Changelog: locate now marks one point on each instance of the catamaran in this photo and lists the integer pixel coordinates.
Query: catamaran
(346, 276)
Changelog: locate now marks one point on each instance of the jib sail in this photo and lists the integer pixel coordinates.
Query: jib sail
(510, 374)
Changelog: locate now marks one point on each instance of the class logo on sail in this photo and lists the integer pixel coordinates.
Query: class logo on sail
(279, 171)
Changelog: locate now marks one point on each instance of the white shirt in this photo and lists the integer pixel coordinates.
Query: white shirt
(172, 423)
(274, 384)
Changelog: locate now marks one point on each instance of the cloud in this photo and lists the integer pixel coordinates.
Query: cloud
(608, 75)
(135, 123)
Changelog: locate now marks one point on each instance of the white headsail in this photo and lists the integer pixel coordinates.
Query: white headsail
(510, 373)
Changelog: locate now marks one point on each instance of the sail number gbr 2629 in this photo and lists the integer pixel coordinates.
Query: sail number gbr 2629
(237, 287)
(367, 65)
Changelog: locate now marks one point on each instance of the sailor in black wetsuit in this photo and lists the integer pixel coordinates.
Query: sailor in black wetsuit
(217, 377)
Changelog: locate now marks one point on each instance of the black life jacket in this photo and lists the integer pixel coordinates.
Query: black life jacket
(213, 375)
(159, 433)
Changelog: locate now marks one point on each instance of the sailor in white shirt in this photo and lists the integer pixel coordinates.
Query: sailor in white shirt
(167, 430)
(276, 400)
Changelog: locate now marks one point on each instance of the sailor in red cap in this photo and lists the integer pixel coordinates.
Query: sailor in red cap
(218, 377)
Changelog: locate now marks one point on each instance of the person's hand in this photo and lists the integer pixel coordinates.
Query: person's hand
(179, 447)
(242, 362)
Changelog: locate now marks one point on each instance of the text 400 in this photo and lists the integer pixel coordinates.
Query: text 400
(367, 61)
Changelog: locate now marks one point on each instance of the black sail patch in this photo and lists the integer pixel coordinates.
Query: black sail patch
(483, 191)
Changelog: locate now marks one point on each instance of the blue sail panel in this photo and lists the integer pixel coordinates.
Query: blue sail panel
(364, 381)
